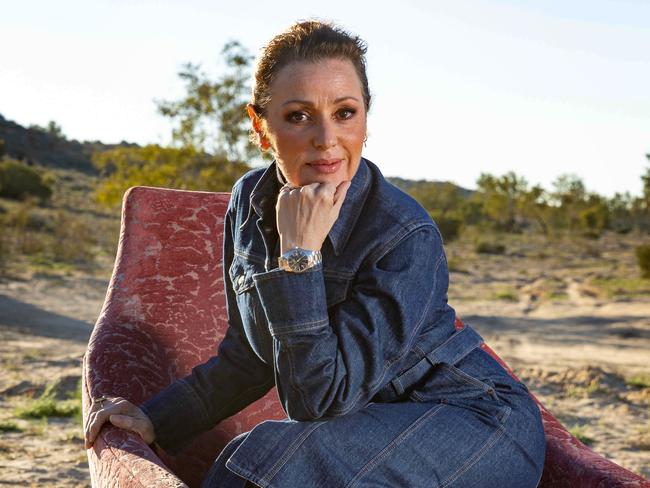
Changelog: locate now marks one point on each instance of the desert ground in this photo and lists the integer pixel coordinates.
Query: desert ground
(572, 318)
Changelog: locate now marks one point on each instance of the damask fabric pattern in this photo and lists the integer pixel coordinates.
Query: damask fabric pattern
(165, 312)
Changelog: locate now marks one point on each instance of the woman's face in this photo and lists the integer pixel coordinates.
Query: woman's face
(315, 121)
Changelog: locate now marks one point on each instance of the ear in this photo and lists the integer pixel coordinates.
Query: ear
(257, 127)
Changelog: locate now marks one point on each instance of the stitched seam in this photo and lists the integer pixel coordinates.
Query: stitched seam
(279, 273)
(370, 465)
(291, 325)
(517, 443)
(289, 452)
(247, 474)
(290, 331)
(296, 386)
(477, 456)
(466, 377)
(252, 256)
(340, 244)
(404, 231)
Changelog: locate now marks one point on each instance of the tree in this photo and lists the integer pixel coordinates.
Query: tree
(443, 201)
(620, 209)
(646, 185)
(211, 117)
(55, 130)
(568, 196)
(500, 198)
(533, 205)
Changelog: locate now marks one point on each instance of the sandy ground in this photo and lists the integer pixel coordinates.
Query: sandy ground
(576, 348)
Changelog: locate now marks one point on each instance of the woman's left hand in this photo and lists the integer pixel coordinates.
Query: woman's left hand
(306, 214)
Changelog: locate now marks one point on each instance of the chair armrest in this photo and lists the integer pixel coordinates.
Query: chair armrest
(120, 458)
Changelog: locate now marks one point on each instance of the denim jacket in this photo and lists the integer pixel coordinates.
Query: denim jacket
(331, 339)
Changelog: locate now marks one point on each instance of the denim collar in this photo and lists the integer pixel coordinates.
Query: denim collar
(263, 197)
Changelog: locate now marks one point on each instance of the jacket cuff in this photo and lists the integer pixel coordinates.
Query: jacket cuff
(171, 417)
(293, 302)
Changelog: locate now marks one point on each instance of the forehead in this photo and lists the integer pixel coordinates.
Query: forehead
(328, 79)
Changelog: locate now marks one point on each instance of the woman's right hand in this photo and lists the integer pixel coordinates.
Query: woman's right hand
(121, 413)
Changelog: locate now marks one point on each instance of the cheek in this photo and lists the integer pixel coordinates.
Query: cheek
(290, 140)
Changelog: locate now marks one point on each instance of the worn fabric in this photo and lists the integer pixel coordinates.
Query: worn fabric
(379, 388)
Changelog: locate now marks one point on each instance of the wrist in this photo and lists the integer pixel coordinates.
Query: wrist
(287, 245)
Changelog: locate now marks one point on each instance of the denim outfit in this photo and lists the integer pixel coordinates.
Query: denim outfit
(379, 388)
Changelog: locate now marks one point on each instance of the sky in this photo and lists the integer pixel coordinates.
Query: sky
(460, 88)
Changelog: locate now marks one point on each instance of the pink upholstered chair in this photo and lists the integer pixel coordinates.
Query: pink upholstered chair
(165, 312)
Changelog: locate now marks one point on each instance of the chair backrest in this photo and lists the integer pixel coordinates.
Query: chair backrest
(165, 311)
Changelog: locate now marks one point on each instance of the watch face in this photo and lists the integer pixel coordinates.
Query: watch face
(298, 260)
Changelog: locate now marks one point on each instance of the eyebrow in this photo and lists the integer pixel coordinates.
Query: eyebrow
(307, 102)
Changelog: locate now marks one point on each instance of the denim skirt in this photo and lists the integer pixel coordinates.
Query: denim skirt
(466, 425)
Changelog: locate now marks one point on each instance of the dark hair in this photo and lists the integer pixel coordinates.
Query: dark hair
(311, 41)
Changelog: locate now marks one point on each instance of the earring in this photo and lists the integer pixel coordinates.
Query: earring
(264, 143)
(365, 140)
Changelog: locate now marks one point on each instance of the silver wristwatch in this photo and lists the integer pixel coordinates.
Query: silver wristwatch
(297, 260)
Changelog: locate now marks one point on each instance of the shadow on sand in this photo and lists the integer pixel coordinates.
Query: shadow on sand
(579, 329)
(31, 319)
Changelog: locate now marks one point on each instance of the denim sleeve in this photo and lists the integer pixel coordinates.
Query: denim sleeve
(330, 363)
(217, 389)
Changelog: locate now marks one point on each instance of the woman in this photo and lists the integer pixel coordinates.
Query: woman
(337, 295)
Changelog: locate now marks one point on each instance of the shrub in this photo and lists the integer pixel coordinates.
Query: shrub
(73, 240)
(643, 258)
(4, 247)
(19, 181)
(48, 405)
(21, 229)
(449, 227)
(489, 247)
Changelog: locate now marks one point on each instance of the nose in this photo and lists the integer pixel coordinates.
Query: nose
(325, 135)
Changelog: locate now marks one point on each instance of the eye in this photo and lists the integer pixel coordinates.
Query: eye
(297, 117)
(345, 113)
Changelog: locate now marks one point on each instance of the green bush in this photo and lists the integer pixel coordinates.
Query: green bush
(490, 247)
(73, 240)
(449, 227)
(643, 258)
(19, 181)
(4, 246)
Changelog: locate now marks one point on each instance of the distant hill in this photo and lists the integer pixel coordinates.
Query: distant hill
(42, 146)
(38, 145)
(406, 185)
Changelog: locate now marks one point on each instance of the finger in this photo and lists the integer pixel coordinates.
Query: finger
(327, 190)
(125, 422)
(97, 419)
(133, 424)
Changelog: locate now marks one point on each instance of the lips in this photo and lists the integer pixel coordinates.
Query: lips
(326, 166)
